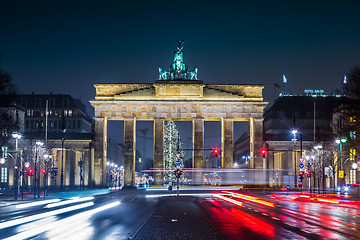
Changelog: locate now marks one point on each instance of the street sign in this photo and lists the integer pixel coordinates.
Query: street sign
(358, 159)
(301, 165)
(341, 174)
(178, 155)
(301, 160)
(177, 162)
(287, 186)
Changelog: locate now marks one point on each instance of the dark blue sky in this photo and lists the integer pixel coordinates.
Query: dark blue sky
(67, 46)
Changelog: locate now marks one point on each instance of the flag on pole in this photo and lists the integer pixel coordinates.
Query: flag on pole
(345, 79)
(276, 85)
(284, 79)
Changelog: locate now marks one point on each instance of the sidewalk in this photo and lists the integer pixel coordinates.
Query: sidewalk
(177, 218)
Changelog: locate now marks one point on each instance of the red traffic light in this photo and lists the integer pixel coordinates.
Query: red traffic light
(216, 152)
(263, 151)
(30, 171)
(43, 171)
(301, 173)
(308, 173)
(178, 173)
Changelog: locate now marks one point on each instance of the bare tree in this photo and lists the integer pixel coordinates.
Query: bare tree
(8, 121)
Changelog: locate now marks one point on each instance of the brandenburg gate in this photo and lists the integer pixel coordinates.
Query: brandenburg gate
(178, 96)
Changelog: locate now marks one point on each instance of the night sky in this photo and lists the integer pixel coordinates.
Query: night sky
(67, 46)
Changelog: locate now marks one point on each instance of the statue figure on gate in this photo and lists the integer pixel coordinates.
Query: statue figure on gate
(178, 70)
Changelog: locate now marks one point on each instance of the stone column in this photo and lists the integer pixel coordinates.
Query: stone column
(256, 143)
(227, 143)
(198, 143)
(100, 147)
(159, 151)
(129, 151)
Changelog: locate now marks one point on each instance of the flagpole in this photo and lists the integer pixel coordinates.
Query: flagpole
(274, 93)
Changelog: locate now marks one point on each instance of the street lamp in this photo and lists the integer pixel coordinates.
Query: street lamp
(341, 141)
(38, 144)
(294, 132)
(17, 136)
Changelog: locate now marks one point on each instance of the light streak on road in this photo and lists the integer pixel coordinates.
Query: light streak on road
(181, 194)
(37, 203)
(61, 225)
(230, 200)
(18, 221)
(194, 188)
(75, 200)
(251, 199)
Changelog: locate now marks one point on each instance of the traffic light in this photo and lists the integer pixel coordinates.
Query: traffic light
(308, 173)
(301, 176)
(30, 171)
(216, 152)
(178, 173)
(263, 152)
(43, 171)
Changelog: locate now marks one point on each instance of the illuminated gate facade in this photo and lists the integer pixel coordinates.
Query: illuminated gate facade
(178, 96)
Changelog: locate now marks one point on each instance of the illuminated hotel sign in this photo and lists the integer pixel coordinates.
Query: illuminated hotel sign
(309, 92)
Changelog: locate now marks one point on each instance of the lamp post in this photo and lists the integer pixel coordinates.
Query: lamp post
(17, 136)
(294, 131)
(62, 153)
(321, 165)
(341, 141)
(38, 144)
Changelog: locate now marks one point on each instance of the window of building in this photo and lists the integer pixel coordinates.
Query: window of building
(296, 115)
(280, 114)
(51, 124)
(37, 113)
(55, 124)
(3, 174)
(65, 113)
(352, 177)
(70, 113)
(32, 124)
(78, 124)
(4, 152)
(65, 103)
(37, 102)
(352, 119)
(51, 102)
(69, 124)
(352, 154)
(42, 113)
(24, 102)
(27, 124)
(74, 113)
(28, 113)
(74, 124)
(51, 113)
(353, 135)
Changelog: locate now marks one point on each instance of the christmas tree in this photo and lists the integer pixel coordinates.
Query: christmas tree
(172, 147)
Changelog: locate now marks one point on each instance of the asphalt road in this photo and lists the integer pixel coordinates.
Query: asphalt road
(196, 214)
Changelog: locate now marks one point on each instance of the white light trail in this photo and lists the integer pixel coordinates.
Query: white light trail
(181, 194)
(75, 200)
(18, 221)
(61, 224)
(37, 203)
